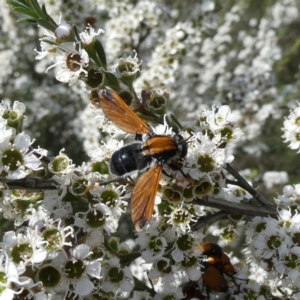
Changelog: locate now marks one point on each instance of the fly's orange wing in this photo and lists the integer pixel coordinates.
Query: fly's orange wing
(120, 113)
(191, 290)
(143, 197)
(227, 267)
(214, 279)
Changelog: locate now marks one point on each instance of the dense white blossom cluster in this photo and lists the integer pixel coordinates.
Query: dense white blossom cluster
(73, 238)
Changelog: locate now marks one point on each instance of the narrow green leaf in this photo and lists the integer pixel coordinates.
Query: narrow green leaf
(14, 4)
(21, 2)
(101, 53)
(109, 248)
(26, 11)
(48, 17)
(111, 80)
(176, 121)
(35, 5)
(44, 10)
(77, 36)
(127, 259)
(46, 24)
(27, 20)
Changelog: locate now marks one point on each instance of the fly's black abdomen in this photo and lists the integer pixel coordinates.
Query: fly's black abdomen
(129, 159)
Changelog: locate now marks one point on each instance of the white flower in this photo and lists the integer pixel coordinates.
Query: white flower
(98, 217)
(185, 245)
(78, 269)
(180, 219)
(9, 276)
(70, 64)
(272, 178)
(18, 107)
(16, 159)
(48, 45)
(55, 236)
(291, 128)
(155, 248)
(88, 36)
(141, 295)
(29, 247)
(117, 279)
(139, 269)
(290, 197)
(111, 198)
(236, 194)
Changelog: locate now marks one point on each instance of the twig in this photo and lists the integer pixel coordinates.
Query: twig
(246, 186)
(204, 221)
(30, 183)
(236, 208)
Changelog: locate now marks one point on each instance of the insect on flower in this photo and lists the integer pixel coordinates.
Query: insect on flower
(191, 290)
(214, 266)
(150, 155)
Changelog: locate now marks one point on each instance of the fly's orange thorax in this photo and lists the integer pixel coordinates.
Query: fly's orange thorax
(161, 147)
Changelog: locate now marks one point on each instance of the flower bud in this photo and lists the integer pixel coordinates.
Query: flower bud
(79, 187)
(127, 69)
(14, 117)
(100, 167)
(158, 102)
(204, 187)
(64, 31)
(94, 78)
(172, 193)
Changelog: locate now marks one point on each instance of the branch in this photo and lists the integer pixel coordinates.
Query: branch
(236, 208)
(206, 220)
(246, 186)
(30, 183)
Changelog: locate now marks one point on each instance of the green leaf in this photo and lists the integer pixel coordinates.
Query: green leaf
(176, 121)
(25, 11)
(44, 10)
(27, 20)
(111, 80)
(14, 4)
(109, 248)
(48, 17)
(127, 259)
(35, 5)
(46, 24)
(22, 2)
(77, 36)
(101, 53)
